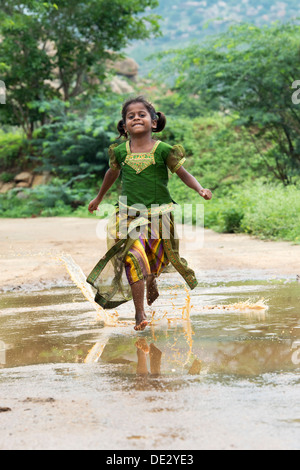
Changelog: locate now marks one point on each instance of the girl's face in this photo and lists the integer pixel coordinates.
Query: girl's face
(138, 120)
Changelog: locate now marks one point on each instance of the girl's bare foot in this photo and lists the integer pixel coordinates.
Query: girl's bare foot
(141, 321)
(142, 351)
(152, 290)
(143, 345)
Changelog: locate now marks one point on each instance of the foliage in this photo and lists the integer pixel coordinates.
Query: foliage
(6, 177)
(52, 49)
(219, 154)
(245, 198)
(250, 71)
(24, 67)
(63, 197)
(12, 145)
(258, 208)
(72, 143)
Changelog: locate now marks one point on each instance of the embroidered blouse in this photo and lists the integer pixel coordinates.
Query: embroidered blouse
(145, 175)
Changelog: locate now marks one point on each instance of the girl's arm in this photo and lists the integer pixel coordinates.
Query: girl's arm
(110, 177)
(192, 183)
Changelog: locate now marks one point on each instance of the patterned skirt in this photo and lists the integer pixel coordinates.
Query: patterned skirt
(137, 247)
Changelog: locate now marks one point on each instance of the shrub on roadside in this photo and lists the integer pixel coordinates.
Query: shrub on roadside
(262, 209)
(11, 150)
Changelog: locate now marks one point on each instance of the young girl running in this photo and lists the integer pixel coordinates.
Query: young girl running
(140, 256)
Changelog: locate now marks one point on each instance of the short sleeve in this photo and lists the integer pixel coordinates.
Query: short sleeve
(113, 162)
(176, 158)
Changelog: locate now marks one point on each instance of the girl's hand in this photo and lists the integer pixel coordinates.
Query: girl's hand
(93, 205)
(206, 194)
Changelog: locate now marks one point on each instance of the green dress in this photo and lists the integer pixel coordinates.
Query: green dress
(144, 187)
(145, 176)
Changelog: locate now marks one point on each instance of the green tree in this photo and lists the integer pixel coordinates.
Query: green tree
(75, 144)
(249, 71)
(24, 67)
(58, 49)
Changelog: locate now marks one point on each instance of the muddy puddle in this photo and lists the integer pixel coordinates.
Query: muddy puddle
(60, 326)
(203, 375)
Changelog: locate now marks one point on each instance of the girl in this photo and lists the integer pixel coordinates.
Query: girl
(141, 257)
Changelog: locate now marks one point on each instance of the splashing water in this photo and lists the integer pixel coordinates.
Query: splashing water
(180, 315)
(247, 306)
(111, 319)
(79, 278)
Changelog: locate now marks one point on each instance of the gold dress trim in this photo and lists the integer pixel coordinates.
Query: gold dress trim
(140, 161)
(179, 165)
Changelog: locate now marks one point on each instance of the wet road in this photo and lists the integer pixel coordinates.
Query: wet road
(222, 379)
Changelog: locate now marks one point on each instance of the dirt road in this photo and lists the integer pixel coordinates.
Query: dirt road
(29, 251)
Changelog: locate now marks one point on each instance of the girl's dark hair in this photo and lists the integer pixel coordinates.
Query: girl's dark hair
(160, 117)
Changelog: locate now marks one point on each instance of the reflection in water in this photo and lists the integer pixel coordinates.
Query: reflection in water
(162, 350)
(245, 346)
(58, 326)
(143, 349)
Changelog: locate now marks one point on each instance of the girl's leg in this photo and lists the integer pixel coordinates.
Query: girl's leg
(138, 294)
(155, 359)
(157, 261)
(137, 270)
(152, 290)
(145, 260)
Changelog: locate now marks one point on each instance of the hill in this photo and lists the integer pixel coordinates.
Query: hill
(183, 21)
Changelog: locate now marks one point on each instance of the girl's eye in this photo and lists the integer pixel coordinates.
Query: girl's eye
(131, 116)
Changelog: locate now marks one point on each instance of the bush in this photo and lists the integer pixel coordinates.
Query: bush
(60, 198)
(218, 154)
(232, 218)
(70, 148)
(11, 150)
(272, 211)
(75, 141)
(57, 199)
(6, 177)
(262, 209)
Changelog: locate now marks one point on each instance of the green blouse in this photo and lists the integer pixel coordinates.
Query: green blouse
(145, 176)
